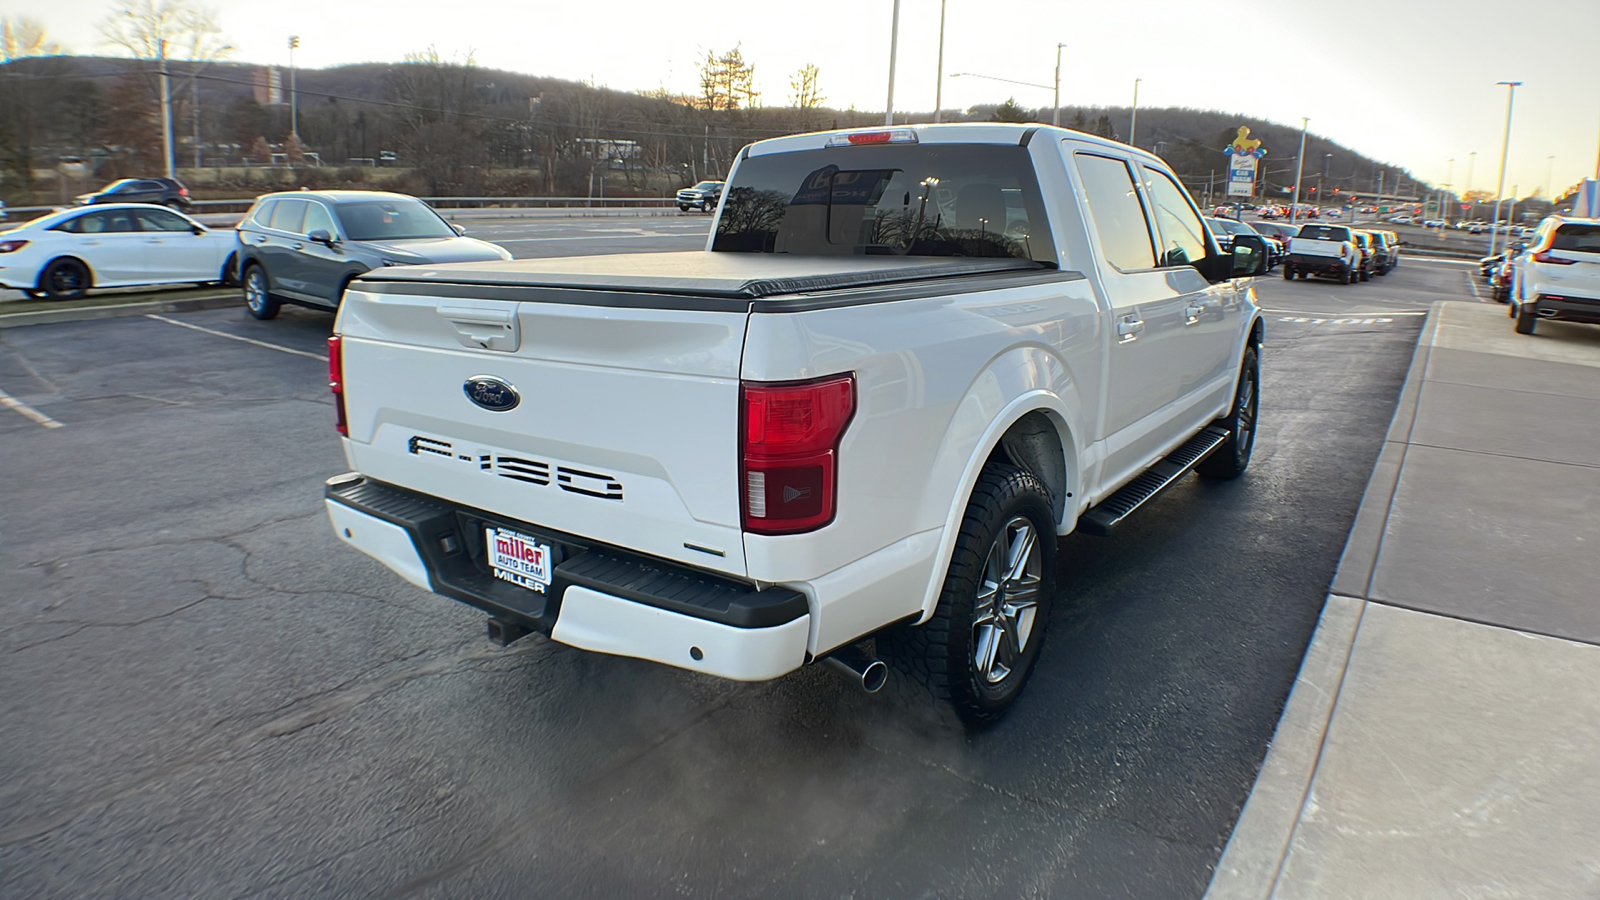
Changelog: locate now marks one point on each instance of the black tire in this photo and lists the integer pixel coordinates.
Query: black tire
(1008, 504)
(1527, 320)
(1233, 457)
(1303, 275)
(683, 207)
(64, 279)
(1366, 274)
(1347, 276)
(257, 287)
(708, 206)
(1288, 273)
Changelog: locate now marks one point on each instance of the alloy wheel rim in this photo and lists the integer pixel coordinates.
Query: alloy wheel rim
(1247, 413)
(254, 293)
(1008, 600)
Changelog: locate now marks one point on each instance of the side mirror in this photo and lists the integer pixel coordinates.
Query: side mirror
(321, 236)
(459, 229)
(198, 229)
(1519, 246)
(1249, 255)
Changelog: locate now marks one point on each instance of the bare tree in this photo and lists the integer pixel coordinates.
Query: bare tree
(23, 37)
(803, 90)
(165, 29)
(727, 82)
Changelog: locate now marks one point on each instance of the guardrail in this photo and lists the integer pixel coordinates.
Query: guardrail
(226, 206)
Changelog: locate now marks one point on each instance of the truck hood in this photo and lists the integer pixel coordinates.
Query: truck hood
(421, 251)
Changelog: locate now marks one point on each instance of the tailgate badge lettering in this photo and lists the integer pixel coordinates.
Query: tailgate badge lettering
(491, 393)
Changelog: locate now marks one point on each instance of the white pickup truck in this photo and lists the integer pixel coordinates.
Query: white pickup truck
(906, 361)
(1324, 250)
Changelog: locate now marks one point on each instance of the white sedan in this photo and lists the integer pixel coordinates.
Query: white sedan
(64, 254)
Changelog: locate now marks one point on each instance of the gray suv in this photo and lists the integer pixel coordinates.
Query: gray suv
(305, 246)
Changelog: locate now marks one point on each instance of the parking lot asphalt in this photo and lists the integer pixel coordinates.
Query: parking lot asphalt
(208, 696)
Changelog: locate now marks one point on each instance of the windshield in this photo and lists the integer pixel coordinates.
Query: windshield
(1231, 227)
(391, 219)
(706, 185)
(893, 199)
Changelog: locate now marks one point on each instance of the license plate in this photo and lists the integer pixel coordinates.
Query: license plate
(518, 558)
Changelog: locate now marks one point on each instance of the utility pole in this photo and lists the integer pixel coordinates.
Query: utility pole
(1133, 121)
(1505, 147)
(938, 87)
(294, 100)
(1055, 115)
(166, 109)
(1549, 166)
(1299, 170)
(894, 46)
(1449, 174)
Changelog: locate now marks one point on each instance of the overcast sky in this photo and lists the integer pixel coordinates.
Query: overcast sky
(1410, 82)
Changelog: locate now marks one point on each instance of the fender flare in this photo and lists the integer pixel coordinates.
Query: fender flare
(1036, 400)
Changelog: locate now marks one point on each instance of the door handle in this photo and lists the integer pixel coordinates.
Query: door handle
(261, 239)
(298, 246)
(1191, 314)
(1128, 328)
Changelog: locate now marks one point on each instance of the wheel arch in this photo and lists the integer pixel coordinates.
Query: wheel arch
(1036, 431)
(65, 257)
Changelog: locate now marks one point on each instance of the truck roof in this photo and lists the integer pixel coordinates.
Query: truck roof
(952, 133)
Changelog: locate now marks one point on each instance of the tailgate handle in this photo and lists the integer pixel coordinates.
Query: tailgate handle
(485, 327)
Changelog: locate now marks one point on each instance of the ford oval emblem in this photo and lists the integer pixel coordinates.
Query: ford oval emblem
(491, 393)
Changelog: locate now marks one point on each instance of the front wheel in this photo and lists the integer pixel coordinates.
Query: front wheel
(64, 279)
(258, 299)
(1233, 457)
(1288, 273)
(978, 650)
(683, 207)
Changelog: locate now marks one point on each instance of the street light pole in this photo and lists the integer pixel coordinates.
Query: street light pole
(1449, 175)
(1133, 122)
(1299, 170)
(894, 46)
(938, 88)
(1055, 116)
(294, 100)
(166, 110)
(1505, 147)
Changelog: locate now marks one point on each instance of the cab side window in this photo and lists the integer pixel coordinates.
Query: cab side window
(1118, 214)
(161, 220)
(1183, 236)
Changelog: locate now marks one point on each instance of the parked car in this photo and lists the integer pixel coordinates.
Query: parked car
(304, 246)
(1557, 275)
(1323, 250)
(62, 255)
(1225, 229)
(1367, 262)
(713, 459)
(168, 192)
(1384, 253)
(702, 196)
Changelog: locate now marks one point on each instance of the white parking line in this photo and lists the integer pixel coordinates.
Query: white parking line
(235, 337)
(600, 237)
(1343, 315)
(10, 402)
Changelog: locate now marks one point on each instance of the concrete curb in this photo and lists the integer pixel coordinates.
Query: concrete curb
(135, 306)
(1255, 853)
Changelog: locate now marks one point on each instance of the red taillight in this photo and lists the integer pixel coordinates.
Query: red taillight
(789, 448)
(336, 381)
(1543, 256)
(183, 192)
(12, 246)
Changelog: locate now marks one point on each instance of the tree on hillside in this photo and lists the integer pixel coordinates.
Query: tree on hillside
(727, 82)
(1103, 127)
(439, 131)
(23, 37)
(1009, 111)
(165, 29)
(805, 96)
(1079, 122)
(133, 135)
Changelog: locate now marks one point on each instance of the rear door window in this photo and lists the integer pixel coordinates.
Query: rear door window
(289, 216)
(1117, 212)
(263, 214)
(161, 220)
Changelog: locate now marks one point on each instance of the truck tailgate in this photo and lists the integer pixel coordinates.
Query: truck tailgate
(625, 428)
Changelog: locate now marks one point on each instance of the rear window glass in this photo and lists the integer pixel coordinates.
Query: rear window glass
(1577, 236)
(1324, 233)
(895, 199)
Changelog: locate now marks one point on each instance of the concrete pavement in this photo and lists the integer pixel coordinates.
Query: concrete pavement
(1443, 735)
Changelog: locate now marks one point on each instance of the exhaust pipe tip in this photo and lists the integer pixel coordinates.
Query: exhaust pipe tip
(867, 671)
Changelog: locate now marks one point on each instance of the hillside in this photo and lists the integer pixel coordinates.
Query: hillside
(468, 131)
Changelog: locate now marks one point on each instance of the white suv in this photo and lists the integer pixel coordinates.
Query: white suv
(1557, 276)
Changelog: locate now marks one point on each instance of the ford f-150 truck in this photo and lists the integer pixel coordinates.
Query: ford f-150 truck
(1324, 250)
(852, 426)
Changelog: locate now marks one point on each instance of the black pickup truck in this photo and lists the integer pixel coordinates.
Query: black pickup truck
(702, 196)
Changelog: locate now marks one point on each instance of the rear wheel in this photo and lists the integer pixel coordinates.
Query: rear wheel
(1366, 275)
(258, 297)
(977, 651)
(1233, 457)
(64, 279)
(1288, 273)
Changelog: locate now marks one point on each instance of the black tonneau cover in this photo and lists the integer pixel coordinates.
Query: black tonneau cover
(699, 273)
